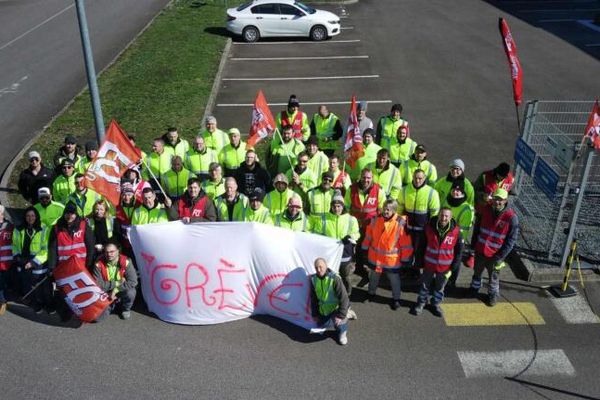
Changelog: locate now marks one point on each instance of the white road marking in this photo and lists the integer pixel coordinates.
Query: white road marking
(561, 10)
(295, 58)
(509, 363)
(588, 23)
(304, 78)
(302, 42)
(37, 26)
(314, 103)
(592, 45)
(13, 88)
(558, 20)
(346, 28)
(575, 310)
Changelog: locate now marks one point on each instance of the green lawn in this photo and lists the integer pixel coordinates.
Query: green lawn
(164, 79)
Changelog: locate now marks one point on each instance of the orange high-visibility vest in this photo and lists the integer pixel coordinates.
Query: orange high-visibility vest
(387, 242)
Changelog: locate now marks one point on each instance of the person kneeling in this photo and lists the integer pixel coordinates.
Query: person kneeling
(116, 275)
(330, 300)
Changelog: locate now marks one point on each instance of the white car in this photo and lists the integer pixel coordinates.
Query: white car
(277, 18)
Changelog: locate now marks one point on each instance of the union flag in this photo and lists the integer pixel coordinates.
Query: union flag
(516, 73)
(263, 123)
(353, 146)
(115, 156)
(592, 129)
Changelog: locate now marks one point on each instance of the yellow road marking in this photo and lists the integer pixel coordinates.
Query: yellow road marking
(479, 314)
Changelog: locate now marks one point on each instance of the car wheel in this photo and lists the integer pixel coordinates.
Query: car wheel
(318, 33)
(250, 34)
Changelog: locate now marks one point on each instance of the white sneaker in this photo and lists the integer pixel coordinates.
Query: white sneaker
(343, 338)
(351, 314)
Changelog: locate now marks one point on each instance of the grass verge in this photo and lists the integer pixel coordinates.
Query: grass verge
(163, 79)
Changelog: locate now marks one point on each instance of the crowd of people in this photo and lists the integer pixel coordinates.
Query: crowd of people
(390, 210)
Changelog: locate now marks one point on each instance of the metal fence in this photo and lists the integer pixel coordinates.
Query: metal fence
(554, 131)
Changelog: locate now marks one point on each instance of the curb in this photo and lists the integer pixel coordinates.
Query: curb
(210, 104)
(6, 174)
(527, 270)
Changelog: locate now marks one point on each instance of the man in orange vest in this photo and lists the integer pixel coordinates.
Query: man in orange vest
(71, 236)
(444, 245)
(115, 274)
(388, 246)
(495, 234)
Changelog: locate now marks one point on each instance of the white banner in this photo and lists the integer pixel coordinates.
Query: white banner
(209, 273)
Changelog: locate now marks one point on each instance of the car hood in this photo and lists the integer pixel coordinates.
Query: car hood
(322, 14)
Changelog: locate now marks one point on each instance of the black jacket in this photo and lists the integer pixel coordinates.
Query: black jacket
(248, 180)
(30, 183)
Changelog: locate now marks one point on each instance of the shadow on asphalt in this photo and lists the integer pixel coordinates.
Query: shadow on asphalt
(292, 331)
(27, 313)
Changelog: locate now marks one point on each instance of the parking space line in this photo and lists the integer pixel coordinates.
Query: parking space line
(295, 58)
(503, 314)
(305, 103)
(301, 42)
(558, 20)
(575, 310)
(479, 364)
(345, 28)
(304, 78)
(588, 23)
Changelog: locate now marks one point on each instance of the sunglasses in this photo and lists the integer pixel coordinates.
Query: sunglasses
(67, 167)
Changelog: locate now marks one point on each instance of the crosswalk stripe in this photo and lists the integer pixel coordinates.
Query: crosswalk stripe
(478, 314)
(575, 310)
(477, 364)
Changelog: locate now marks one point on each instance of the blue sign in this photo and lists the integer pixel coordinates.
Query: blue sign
(545, 178)
(524, 156)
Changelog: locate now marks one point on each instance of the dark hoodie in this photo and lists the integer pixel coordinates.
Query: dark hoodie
(249, 179)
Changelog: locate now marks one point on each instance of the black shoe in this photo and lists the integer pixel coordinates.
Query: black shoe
(492, 300)
(364, 281)
(370, 298)
(437, 311)
(395, 304)
(418, 309)
(38, 309)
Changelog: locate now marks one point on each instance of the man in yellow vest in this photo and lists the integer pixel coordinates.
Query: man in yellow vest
(214, 186)
(388, 127)
(386, 175)
(455, 174)
(256, 212)
(91, 151)
(175, 180)
(156, 163)
(318, 162)
(174, 145)
(82, 197)
(232, 154)
(403, 148)
(293, 218)
(50, 211)
(419, 161)
(150, 211)
(214, 138)
(319, 198)
(302, 178)
(327, 128)
(341, 178)
(64, 184)
(330, 302)
(371, 149)
(277, 200)
(231, 205)
(283, 155)
(199, 158)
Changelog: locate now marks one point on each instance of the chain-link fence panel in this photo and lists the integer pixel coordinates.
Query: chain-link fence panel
(554, 131)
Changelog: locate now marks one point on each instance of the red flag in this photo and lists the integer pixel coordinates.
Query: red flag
(592, 129)
(82, 294)
(263, 123)
(516, 73)
(114, 157)
(353, 147)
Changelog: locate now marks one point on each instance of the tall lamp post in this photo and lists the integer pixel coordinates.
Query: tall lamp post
(90, 70)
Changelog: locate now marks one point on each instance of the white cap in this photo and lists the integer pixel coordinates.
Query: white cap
(43, 191)
(34, 154)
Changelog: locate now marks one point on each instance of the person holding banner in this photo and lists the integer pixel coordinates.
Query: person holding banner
(252, 175)
(71, 236)
(214, 186)
(194, 205)
(232, 204)
(277, 200)
(341, 178)
(30, 252)
(156, 163)
(257, 212)
(293, 218)
(302, 178)
(115, 274)
(175, 180)
(91, 150)
(330, 302)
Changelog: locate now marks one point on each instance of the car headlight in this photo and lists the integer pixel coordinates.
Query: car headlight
(334, 22)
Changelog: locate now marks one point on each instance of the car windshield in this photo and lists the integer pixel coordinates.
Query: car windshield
(244, 6)
(306, 8)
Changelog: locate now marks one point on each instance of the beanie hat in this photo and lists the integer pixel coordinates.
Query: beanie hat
(337, 197)
(502, 170)
(91, 145)
(458, 163)
(293, 101)
(256, 194)
(70, 208)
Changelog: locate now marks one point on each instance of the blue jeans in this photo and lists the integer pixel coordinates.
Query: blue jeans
(329, 320)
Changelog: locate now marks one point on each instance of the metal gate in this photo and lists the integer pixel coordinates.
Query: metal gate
(550, 167)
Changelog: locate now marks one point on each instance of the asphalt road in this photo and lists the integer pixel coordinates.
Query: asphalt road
(446, 65)
(41, 61)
